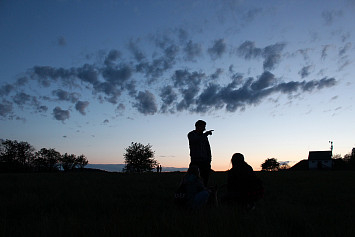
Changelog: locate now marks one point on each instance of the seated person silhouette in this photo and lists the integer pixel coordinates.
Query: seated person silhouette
(192, 193)
(243, 186)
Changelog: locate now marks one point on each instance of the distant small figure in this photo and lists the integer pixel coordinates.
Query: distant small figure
(200, 150)
(159, 168)
(243, 186)
(192, 193)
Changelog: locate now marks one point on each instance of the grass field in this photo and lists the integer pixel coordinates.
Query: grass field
(297, 203)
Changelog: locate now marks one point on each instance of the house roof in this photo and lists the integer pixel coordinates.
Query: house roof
(320, 155)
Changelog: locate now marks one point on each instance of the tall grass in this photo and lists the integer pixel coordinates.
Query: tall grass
(114, 204)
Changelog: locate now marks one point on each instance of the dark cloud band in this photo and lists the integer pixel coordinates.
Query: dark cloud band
(160, 84)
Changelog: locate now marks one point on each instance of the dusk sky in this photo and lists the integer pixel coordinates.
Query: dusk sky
(274, 79)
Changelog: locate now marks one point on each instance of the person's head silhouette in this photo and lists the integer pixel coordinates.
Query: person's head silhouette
(200, 126)
(237, 159)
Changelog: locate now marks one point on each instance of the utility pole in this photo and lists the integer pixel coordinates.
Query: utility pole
(331, 147)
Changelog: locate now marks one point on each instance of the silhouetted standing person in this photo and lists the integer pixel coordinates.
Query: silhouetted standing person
(200, 150)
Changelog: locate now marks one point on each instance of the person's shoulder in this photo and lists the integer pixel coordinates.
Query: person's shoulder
(193, 132)
(249, 167)
(232, 171)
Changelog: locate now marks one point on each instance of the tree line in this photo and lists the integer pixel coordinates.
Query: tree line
(347, 162)
(139, 158)
(22, 157)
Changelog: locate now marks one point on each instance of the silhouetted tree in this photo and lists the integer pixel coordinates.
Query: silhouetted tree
(47, 160)
(21, 156)
(16, 156)
(350, 160)
(270, 164)
(139, 158)
(68, 161)
(81, 161)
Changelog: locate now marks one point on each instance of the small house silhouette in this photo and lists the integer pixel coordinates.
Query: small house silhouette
(320, 160)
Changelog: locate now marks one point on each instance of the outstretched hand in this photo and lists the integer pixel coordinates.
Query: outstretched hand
(209, 132)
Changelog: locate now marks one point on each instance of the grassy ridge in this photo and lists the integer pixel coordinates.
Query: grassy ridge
(114, 204)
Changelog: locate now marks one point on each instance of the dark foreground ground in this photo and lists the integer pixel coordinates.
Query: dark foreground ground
(297, 203)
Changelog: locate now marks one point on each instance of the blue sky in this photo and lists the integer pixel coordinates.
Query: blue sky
(274, 79)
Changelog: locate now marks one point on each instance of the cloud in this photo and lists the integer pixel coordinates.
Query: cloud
(117, 76)
(304, 53)
(345, 49)
(182, 78)
(188, 95)
(21, 81)
(251, 14)
(344, 62)
(209, 98)
(81, 106)
(168, 97)
(217, 74)
(325, 51)
(45, 75)
(136, 51)
(66, 96)
(158, 66)
(61, 41)
(164, 82)
(271, 53)
(121, 107)
(345, 36)
(88, 73)
(112, 56)
(329, 16)
(185, 90)
(60, 114)
(6, 109)
(305, 71)
(248, 50)
(305, 86)
(334, 97)
(111, 92)
(188, 84)
(266, 80)
(6, 89)
(192, 51)
(42, 108)
(108, 79)
(146, 103)
(320, 84)
(183, 35)
(285, 162)
(236, 96)
(21, 99)
(218, 49)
